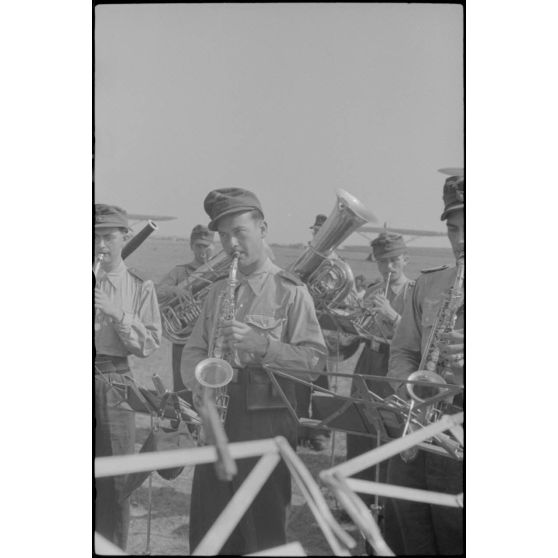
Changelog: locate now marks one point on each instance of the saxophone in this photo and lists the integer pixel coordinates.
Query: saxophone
(216, 371)
(430, 361)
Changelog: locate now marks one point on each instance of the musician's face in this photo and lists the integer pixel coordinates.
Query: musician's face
(110, 242)
(456, 231)
(394, 266)
(203, 250)
(244, 233)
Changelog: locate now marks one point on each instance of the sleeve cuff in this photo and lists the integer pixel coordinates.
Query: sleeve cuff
(273, 349)
(125, 323)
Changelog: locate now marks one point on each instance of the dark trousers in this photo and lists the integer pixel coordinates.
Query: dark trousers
(114, 435)
(264, 524)
(177, 383)
(428, 529)
(375, 363)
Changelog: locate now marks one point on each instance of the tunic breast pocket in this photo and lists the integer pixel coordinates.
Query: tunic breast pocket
(429, 312)
(268, 325)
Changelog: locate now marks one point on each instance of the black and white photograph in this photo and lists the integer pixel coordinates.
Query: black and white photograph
(272, 357)
(279, 265)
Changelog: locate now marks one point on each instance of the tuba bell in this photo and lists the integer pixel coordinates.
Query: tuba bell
(180, 312)
(331, 280)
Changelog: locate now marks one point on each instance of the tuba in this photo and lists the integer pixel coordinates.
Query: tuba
(444, 323)
(216, 371)
(330, 281)
(180, 312)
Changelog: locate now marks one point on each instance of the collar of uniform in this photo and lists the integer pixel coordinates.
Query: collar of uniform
(257, 279)
(396, 289)
(113, 276)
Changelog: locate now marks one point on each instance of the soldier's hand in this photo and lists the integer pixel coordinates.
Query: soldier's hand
(452, 353)
(452, 345)
(104, 304)
(242, 337)
(381, 305)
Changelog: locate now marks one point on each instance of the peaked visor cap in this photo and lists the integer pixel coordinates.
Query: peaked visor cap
(226, 201)
(110, 216)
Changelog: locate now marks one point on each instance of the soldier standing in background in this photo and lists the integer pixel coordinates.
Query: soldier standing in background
(202, 243)
(385, 299)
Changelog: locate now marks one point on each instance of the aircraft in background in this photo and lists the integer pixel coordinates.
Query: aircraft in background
(409, 234)
(145, 217)
(413, 233)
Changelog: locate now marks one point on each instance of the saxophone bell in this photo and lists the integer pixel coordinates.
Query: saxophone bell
(421, 393)
(213, 372)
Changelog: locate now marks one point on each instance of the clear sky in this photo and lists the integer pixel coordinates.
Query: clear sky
(291, 101)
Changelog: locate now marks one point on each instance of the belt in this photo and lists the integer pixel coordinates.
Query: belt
(249, 376)
(109, 363)
(377, 346)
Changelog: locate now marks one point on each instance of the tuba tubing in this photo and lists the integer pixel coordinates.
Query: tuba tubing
(330, 281)
(180, 312)
(347, 216)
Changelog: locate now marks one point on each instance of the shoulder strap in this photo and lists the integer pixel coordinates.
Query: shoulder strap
(135, 273)
(432, 269)
(291, 277)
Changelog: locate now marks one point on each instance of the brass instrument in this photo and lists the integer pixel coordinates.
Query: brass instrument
(331, 280)
(444, 323)
(180, 312)
(215, 372)
(365, 321)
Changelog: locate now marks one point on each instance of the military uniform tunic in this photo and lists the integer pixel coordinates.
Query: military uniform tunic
(138, 333)
(277, 305)
(426, 529)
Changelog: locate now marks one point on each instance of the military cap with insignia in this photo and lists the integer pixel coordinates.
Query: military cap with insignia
(454, 191)
(388, 245)
(320, 220)
(226, 201)
(110, 216)
(199, 232)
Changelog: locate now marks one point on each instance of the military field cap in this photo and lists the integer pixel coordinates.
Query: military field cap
(226, 201)
(320, 220)
(110, 216)
(454, 191)
(199, 232)
(388, 245)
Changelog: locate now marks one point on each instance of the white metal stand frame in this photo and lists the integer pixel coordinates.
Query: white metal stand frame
(345, 488)
(271, 452)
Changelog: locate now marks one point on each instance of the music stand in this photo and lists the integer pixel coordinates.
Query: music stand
(362, 413)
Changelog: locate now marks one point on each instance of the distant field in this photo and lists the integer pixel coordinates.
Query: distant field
(157, 256)
(169, 528)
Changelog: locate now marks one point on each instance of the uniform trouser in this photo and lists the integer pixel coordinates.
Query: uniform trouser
(177, 383)
(264, 524)
(428, 529)
(114, 435)
(375, 363)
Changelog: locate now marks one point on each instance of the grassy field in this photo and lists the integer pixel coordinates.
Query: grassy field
(171, 499)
